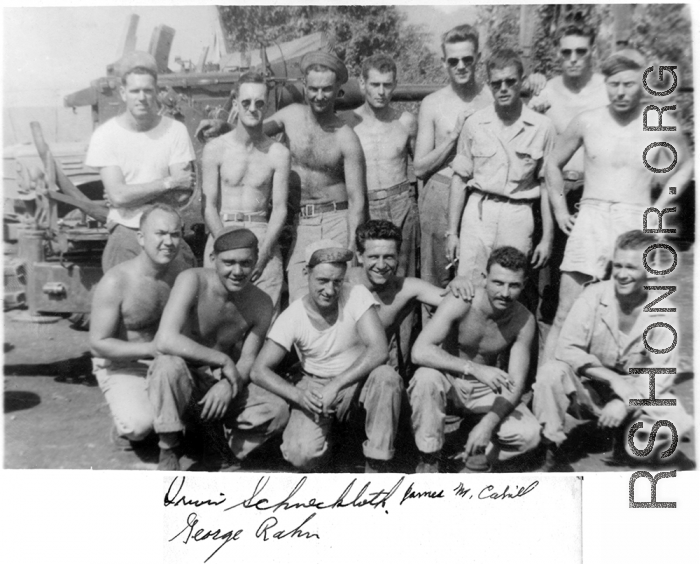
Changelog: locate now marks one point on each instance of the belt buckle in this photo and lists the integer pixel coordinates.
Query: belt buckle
(381, 194)
(308, 210)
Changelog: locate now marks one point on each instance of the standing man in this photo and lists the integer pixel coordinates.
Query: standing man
(576, 90)
(440, 122)
(126, 309)
(340, 341)
(502, 147)
(328, 180)
(466, 381)
(603, 337)
(378, 244)
(242, 172)
(211, 331)
(143, 158)
(617, 186)
(388, 136)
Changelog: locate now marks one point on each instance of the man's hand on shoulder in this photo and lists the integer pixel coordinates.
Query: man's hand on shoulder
(460, 287)
(211, 128)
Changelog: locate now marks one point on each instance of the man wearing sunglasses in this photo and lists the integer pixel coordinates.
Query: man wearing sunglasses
(242, 172)
(618, 186)
(576, 90)
(501, 152)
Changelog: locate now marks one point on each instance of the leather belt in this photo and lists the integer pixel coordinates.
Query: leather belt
(499, 198)
(308, 210)
(240, 216)
(388, 192)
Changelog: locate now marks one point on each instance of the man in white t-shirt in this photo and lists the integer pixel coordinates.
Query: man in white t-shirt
(143, 158)
(340, 341)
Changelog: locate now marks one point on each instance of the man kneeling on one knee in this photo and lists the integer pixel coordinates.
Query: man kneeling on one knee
(342, 347)
(211, 331)
(466, 381)
(604, 337)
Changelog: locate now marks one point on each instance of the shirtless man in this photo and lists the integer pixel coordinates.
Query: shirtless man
(617, 186)
(467, 381)
(328, 180)
(378, 244)
(440, 120)
(242, 171)
(126, 309)
(387, 136)
(565, 96)
(211, 331)
(143, 158)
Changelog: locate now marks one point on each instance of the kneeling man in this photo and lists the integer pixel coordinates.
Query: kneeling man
(126, 309)
(603, 338)
(466, 381)
(340, 341)
(211, 331)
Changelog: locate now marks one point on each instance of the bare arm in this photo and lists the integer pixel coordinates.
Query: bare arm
(543, 251)
(254, 339)
(429, 157)
(263, 373)
(275, 123)
(124, 195)
(412, 125)
(354, 165)
(564, 148)
(428, 350)
(171, 338)
(211, 193)
(280, 189)
(105, 321)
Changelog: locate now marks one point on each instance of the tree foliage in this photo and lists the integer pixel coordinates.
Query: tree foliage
(356, 32)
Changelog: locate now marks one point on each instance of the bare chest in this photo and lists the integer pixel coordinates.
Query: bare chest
(315, 148)
(482, 337)
(142, 309)
(383, 141)
(246, 168)
(219, 324)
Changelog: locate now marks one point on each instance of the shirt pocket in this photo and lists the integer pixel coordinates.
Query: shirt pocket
(486, 160)
(527, 161)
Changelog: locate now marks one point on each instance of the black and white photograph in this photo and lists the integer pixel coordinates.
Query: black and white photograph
(253, 254)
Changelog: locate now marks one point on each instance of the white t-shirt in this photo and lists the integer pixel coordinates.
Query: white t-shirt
(142, 156)
(330, 352)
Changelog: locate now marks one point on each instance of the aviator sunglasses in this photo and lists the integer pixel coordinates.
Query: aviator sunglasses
(466, 61)
(509, 82)
(581, 52)
(259, 104)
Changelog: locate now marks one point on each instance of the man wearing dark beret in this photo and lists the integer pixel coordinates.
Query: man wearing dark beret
(143, 158)
(617, 185)
(327, 186)
(340, 341)
(211, 331)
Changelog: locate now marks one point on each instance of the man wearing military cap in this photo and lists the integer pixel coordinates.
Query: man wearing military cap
(327, 185)
(617, 185)
(336, 331)
(142, 157)
(211, 331)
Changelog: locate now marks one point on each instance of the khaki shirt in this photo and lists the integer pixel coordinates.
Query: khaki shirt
(506, 162)
(590, 337)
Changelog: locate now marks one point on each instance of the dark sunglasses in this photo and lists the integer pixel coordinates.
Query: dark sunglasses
(259, 104)
(466, 61)
(509, 82)
(566, 53)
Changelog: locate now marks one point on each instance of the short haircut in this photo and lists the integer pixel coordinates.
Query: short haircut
(635, 239)
(508, 257)
(578, 30)
(162, 207)
(381, 63)
(460, 34)
(249, 77)
(504, 58)
(377, 229)
(139, 70)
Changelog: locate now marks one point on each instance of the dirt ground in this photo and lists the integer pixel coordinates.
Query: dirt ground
(55, 416)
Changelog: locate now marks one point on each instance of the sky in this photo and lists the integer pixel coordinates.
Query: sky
(51, 52)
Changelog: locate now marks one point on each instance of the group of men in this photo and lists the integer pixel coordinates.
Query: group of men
(176, 346)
